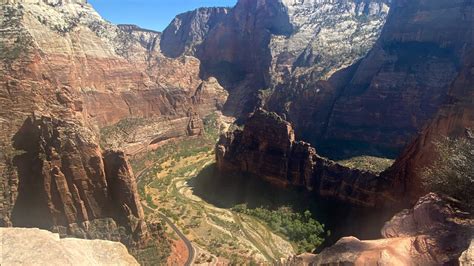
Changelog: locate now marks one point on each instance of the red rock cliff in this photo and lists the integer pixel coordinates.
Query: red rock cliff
(454, 120)
(384, 100)
(267, 148)
(65, 74)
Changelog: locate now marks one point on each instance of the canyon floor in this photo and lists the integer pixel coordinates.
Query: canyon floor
(179, 181)
(171, 182)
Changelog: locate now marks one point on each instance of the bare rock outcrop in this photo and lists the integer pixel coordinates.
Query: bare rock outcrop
(467, 257)
(267, 148)
(188, 30)
(385, 99)
(433, 232)
(64, 180)
(455, 119)
(114, 72)
(22, 246)
(66, 76)
(258, 44)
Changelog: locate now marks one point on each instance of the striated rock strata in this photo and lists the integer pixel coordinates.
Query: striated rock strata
(258, 44)
(386, 98)
(63, 180)
(38, 247)
(66, 76)
(267, 148)
(454, 120)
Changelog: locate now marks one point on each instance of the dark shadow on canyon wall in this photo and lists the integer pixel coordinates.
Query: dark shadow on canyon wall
(337, 150)
(30, 209)
(228, 190)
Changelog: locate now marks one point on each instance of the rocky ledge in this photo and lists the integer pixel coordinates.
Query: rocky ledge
(39, 247)
(267, 147)
(433, 232)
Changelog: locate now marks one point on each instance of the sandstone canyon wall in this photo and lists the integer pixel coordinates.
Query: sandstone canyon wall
(454, 120)
(66, 74)
(418, 70)
(267, 148)
(258, 44)
(387, 97)
(302, 59)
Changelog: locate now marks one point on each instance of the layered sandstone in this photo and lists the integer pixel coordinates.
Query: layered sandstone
(385, 99)
(64, 180)
(267, 148)
(67, 74)
(433, 232)
(454, 120)
(38, 247)
(258, 44)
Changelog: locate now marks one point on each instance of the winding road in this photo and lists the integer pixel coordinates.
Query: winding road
(186, 241)
(189, 245)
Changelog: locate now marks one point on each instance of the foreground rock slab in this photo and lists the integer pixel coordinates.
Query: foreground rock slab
(39, 247)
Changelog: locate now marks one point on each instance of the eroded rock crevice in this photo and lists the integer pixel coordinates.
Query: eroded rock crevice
(66, 181)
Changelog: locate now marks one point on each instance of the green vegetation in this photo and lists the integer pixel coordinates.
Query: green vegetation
(305, 232)
(368, 163)
(174, 150)
(453, 173)
(211, 127)
(150, 203)
(120, 130)
(156, 251)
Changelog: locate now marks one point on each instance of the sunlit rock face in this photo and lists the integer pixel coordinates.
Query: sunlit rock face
(327, 36)
(259, 44)
(381, 102)
(66, 74)
(433, 232)
(22, 246)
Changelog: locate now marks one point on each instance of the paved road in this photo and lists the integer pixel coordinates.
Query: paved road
(189, 246)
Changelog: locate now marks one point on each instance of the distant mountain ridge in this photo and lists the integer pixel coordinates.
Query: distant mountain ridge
(259, 44)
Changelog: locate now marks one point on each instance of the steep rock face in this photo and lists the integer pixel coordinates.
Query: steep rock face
(152, 120)
(467, 257)
(188, 30)
(119, 72)
(394, 91)
(433, 232)
(66, 74)
(32, 246)
(259, 44)
(454, 120)
(327, 36)
(267, 148)
(64, 179)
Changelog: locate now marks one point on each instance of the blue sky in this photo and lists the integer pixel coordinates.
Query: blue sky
(150, 14)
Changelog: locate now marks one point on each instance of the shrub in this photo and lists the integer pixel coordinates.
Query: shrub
(453, 173)
(300, 229)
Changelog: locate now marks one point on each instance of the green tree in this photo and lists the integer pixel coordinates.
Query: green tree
(453, 173)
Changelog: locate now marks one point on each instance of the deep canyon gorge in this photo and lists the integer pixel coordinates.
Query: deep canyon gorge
(274, 132)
